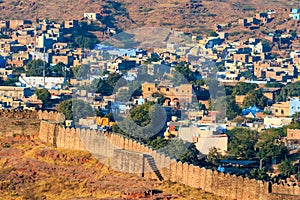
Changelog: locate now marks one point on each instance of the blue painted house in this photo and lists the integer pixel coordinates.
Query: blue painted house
(296, 13)
(294, 106)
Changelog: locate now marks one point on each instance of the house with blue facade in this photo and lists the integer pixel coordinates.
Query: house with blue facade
(2, 62)
(296, 13)
(294, 106)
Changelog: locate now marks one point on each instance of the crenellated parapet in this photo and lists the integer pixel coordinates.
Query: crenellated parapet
(153, 164)
(52, 116)
(156, 165)
(18, 114)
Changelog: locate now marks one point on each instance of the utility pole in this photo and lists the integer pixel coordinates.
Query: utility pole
(44, 66)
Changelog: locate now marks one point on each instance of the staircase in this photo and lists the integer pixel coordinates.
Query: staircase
(154, 168)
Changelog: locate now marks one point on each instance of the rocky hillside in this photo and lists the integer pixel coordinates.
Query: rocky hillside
(190, 15)
(31, 170)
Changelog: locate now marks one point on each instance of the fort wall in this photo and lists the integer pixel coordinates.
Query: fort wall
(105, 145)
(131, 156)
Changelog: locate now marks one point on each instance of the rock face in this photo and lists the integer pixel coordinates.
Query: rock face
(186, 15)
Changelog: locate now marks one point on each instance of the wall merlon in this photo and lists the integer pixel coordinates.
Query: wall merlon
(48, 126)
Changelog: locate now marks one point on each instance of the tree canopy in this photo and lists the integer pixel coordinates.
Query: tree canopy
(241, 143)
(75, 109)
(290, 90)
(179, 149)
(43, 95)
(255, 97)
(82, 37)
(286, 168)
(35, 68)
(232, 109)
(242, 88)
(270, 146)
(61, 70)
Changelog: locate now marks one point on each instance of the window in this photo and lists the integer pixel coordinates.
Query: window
(167, 89)
(149, 89)
(282, 111)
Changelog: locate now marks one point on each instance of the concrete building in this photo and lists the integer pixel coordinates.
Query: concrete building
(281, 109)
(91, 16)
(174, 96)
(36, 82)
(204, 138)
(276, 122)
(286, 109)
(14, 92)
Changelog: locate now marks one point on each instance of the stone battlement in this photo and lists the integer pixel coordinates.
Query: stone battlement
(27, 114)
(106, 147)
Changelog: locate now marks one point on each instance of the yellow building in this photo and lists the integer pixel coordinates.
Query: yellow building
(181, 94)
(281, 109)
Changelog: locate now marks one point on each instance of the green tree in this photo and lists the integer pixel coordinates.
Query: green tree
(213, 34)
(232, 109)
(18, 70)
(3, 36)
(255, 97)
(274, 84)
(260, 174)
(43, 95)
(82, 71)
(270, 147)
(241, 143)
(10, 81)
(290, 90)
(110, 117)
(286, 168)
(75, 109)
(214, 156)
(201, 106)
(183, 151)
(154, 58)
(183, 69)
(140, 114)
(101, 86)
(58, 70)
(82, 37)
(84, 41)
(242, 88)
(113, 79)
(35, 68)
(158, 142)
(61, 70)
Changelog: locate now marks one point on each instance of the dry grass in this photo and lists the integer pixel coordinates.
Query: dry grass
(172, 13)
(67, 178)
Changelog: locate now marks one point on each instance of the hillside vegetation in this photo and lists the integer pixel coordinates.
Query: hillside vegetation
(189, 15)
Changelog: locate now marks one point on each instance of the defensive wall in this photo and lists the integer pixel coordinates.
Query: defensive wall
(18, 122)
(131, 156)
